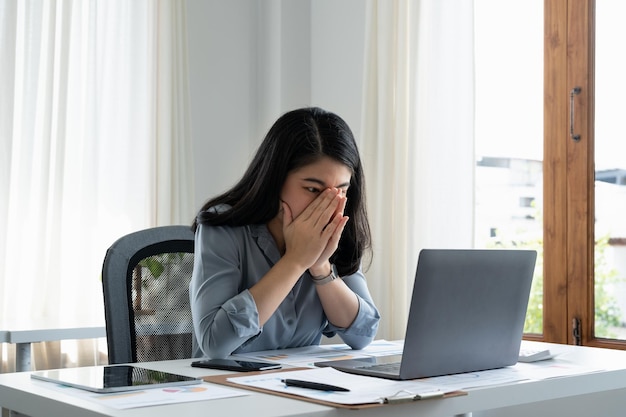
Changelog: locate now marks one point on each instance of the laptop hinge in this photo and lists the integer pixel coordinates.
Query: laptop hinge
(576, 331)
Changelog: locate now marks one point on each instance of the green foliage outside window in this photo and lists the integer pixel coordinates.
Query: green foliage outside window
(607, 310)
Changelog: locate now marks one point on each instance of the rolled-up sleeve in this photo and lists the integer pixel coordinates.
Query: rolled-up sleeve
(363, 329)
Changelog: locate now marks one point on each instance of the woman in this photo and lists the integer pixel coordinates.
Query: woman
(278, 256)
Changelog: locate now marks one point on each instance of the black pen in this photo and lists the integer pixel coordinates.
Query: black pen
(312, 385)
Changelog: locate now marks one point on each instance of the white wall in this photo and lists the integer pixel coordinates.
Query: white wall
(338, 48)
(251, 61)
(221, 78)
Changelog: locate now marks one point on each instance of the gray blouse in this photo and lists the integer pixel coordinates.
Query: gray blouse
(230, 260)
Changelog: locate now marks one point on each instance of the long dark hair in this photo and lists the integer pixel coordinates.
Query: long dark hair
(298, 138)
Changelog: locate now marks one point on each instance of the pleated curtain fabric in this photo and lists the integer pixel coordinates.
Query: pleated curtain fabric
(94, 143)
(417, 141)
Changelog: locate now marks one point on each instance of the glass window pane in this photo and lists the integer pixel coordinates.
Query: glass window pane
(610, 165)
(509, 133)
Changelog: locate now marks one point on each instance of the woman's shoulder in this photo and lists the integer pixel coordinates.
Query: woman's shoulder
(242, 231)
(233, 241)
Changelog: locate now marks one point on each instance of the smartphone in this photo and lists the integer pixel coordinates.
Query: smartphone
(235, 365)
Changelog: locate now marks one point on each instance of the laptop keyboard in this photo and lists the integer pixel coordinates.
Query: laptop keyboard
(389, 368)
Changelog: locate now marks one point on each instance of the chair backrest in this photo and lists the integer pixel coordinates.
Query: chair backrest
(145, 279)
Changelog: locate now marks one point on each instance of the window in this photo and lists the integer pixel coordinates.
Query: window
(509, 138)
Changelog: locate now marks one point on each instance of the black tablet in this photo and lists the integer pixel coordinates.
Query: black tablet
(113, 378)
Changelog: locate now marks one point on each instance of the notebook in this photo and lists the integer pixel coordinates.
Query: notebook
(467, 314)
(113, 378)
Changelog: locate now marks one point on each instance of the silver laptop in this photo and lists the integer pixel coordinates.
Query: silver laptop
(467, 314)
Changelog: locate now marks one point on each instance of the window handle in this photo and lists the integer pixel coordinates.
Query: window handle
(575, 91)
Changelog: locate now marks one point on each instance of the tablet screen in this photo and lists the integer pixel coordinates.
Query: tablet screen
(113, 378)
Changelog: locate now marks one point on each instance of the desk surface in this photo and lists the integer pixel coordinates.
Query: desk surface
(51, 334)
(19, 393)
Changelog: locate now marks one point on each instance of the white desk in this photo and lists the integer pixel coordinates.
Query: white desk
(604, 392)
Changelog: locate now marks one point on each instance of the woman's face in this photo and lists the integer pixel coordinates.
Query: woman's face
(304, 184)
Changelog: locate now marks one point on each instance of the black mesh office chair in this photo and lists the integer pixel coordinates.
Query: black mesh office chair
(145, 279)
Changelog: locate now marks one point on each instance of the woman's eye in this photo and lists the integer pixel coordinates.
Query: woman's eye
(312, 190)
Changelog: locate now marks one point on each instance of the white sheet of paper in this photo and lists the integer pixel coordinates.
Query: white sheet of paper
(366, 390)
(307, 355)
(151, 397)
(363, 390)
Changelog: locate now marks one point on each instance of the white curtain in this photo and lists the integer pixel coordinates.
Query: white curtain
(417, 144)
(94, 144)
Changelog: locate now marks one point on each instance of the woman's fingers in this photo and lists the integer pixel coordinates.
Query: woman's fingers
(321, 211)
(287, 215)
(334, 230)
(315, 233)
